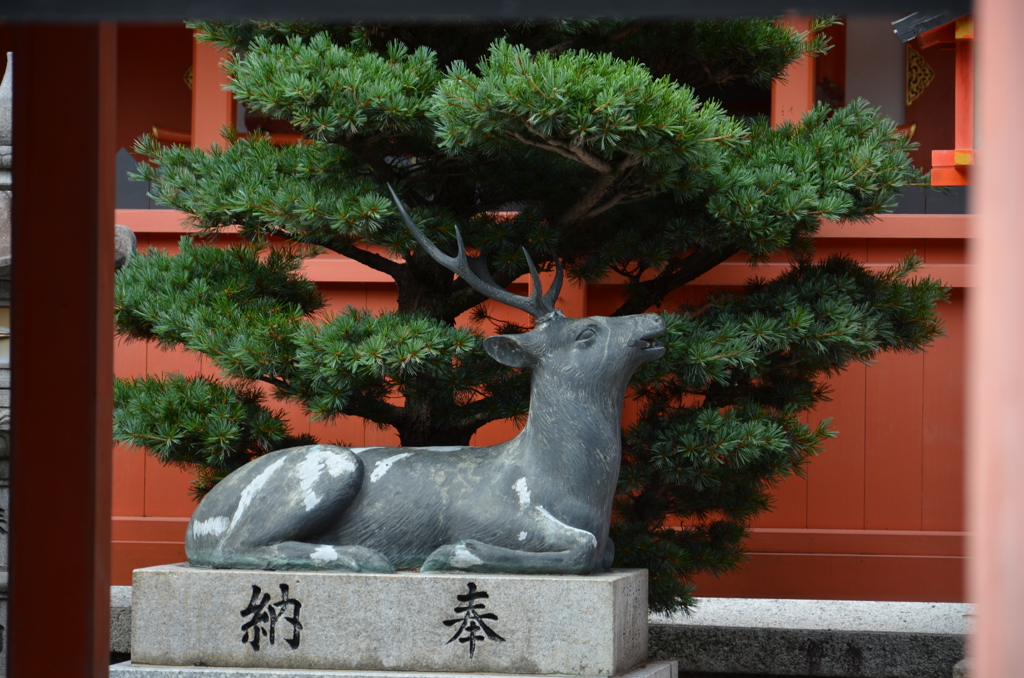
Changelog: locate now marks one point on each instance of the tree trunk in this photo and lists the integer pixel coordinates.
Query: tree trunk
(422, 434)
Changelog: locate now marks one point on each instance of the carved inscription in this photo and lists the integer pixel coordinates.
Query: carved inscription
(263, 617)
(471, 623)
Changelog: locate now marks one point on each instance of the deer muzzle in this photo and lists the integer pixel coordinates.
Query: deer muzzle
(648, 341)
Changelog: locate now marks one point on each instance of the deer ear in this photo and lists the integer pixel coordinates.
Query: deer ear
(508, 350)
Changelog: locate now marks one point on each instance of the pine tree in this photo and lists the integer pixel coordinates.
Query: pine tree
(591, 142)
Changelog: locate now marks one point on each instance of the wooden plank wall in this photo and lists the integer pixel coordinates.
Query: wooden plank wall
(880, 514)
(878, 517)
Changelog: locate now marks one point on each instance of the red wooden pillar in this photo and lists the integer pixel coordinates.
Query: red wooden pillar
(953, 167)
(62, 350)
(795, 96)
(996, 362)
(212, 107)
(964, 127)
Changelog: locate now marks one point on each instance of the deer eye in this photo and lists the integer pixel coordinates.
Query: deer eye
(587, 334)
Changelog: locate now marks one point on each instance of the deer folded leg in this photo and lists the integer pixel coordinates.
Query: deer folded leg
(293, 555)
(476, 556)
(556, 548)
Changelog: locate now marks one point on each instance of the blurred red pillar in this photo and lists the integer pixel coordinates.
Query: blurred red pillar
(212, 106)
(794, 96)
(996, 361)
(62, 350)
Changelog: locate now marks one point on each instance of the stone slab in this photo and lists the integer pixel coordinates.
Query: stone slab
(129, 670)
(836, 615)
(806, 652)
(873, 639)
(593, 625)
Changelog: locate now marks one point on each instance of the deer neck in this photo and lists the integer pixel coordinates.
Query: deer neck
(571, 426)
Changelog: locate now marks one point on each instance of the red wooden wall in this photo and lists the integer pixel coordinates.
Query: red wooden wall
(880, 513)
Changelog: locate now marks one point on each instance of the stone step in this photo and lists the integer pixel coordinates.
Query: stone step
(128, 670)
(814, 638)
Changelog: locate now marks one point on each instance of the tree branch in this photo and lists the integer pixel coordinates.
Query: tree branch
(365, 257)
(361, 148)
(594, 42)
(586, 206)
(477, 413)
(648, 293)
(374, 410)
(371, 259)
(566, 150)
(276, 382)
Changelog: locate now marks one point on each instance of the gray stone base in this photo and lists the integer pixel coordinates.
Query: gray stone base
(867, 639)
(594, 625)
(803, 652)
(128, 670)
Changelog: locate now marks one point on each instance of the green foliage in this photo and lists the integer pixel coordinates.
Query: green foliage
(578, 103)
(589, 142)
(204, 426)
(721, 416)
(329, 92)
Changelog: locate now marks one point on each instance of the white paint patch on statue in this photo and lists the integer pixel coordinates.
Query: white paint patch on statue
(324, 554)
(523, 491)
(316, 461)
(216, 526)
(463, 558)
(252, 488)
(384, 465)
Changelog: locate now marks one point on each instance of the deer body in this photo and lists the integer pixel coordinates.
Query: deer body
(540, 502)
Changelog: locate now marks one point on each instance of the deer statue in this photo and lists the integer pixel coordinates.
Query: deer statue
(538, 503)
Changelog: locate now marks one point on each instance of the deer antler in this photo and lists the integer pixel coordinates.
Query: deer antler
(474, 271)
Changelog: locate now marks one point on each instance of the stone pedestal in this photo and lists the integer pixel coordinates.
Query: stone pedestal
(407, 623)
